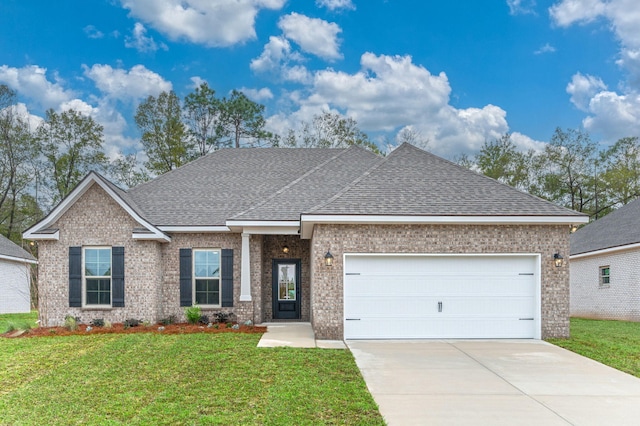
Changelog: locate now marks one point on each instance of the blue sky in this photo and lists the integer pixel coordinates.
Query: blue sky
(457, 72)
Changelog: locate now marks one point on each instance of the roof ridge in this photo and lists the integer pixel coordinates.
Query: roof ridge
(352, 184)
(290, 184)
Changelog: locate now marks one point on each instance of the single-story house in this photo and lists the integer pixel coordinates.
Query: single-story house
(605, 266)
(15, 277)
(362, 246)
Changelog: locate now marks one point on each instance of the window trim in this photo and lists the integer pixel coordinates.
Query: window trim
(601, 276)
(193, 276)
(84, 278)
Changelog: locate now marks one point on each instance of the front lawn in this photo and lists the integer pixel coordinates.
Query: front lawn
(178, 379)
(18, 321)
(614, 343)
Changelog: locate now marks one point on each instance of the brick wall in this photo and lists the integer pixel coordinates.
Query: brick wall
(298, 249)
(619, 300)
(326, 282)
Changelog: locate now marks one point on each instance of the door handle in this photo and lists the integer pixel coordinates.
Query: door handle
(439, 306)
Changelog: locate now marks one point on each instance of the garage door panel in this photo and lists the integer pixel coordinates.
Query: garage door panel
(440, 296)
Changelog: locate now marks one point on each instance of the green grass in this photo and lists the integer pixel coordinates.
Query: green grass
(193, 379)
(18, 321)
(614, 343)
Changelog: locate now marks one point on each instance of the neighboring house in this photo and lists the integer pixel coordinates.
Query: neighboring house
(420, 247)
(15, 278)
(605, 266)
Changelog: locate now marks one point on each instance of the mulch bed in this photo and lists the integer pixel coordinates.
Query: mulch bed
(181, 328)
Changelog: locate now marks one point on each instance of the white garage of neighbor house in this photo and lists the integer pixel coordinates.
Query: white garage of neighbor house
(408, 245)
(15, 278)
(605, 266)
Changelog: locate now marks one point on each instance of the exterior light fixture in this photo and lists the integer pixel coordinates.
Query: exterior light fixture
(574, 228)
(328, 258)
(285, 249)
(558, 260)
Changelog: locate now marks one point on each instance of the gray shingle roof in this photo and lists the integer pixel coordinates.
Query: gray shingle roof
(618, 228)
(316, 186)
(218, 186)
(413, 182)
(9, 248)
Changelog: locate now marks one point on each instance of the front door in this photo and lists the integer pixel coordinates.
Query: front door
(286, 288)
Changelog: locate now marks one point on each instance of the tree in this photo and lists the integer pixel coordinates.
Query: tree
(621, 171)
(126, 172)
(242, 119)
(330, 130)
(501, 160)
(202, 112)
(71, 144)
(409, 134)
(163, 133)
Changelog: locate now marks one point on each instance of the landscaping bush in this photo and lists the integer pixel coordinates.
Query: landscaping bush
(71, 322)
(171, 319)
(97, 322)
(193, 314)
(131, 322)
(204, 319)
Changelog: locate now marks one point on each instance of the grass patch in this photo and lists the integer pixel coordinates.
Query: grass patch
(199, 379)
(614, 343)
(18, 321)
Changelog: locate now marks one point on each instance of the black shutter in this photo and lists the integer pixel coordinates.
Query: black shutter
(227, 277)
(185, 278)
(75, 277)
(117, 277)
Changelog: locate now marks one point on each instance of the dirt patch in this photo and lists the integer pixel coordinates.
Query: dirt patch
(156, 328)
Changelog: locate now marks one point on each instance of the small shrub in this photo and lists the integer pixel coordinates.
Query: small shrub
(71, 322)
(97, 322)
(11, 327)
(224, 317)
(131, 322)
(204, 319)
(229, 324)
(146, 323)
(107, 324)
(171, 319)
(193, 314)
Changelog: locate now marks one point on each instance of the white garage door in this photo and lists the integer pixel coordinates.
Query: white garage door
(431, 296)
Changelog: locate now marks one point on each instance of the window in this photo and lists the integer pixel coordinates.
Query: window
(604, 276)
(97, 275)
(206, 277)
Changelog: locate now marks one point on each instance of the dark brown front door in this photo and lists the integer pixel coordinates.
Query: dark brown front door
(286, 288)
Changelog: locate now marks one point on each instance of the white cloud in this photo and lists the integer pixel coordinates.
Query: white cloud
(313, 35)
(196, 81)
(521, 7)
(277, 58)
(614, 115)
(135, 84)
(257, 95)
(525, 143)
(31, 81)
(139, 41)
(92, 32)
(547, 48)
(568, 12)
(208, 22)
(582, 88)
(391, 92)
(336, 4)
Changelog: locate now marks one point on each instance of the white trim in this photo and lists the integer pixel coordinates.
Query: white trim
(196, 229)
(77, 192)
(538, 275)
(307, 221)
(263, 223)
(245, 274)
(44, 237)
(84, 278)
(17, 259)
(605, 251)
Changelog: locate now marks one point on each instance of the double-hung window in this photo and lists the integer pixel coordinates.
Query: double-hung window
(605, 277)
(206, 277)
(97, 276)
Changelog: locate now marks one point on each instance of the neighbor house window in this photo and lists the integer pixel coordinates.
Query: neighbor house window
(605, 278)
(206, 277)
(97, 275)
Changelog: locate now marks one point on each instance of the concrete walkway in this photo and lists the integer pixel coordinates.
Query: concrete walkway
(480, 382)
(295, 335)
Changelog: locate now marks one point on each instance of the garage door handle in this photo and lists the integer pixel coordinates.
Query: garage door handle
(439, 306)
(526, 319)
(352, 319)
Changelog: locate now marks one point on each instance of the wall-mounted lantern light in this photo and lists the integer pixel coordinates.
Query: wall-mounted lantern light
(574, 228)
(328, 258)
(285, 249)
(558, 260)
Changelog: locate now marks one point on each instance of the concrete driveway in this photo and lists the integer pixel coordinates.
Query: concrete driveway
(501, 382)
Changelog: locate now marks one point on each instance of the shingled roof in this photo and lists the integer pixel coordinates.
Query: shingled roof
(618, 228)
(413, 182)
(10, 249)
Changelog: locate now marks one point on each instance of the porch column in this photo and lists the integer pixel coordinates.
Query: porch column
(245, 273)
